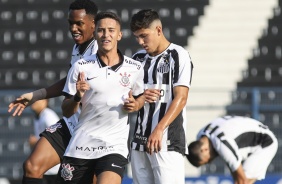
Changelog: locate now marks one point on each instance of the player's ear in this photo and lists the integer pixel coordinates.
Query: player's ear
(119, 36)
(93, 24)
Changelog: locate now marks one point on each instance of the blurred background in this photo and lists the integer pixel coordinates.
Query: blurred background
(235, 46)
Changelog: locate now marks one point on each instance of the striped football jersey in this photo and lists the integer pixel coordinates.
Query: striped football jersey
(173, 67)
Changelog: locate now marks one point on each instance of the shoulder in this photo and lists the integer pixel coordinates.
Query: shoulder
(178, 49)
(140, 55)
(132, 62)
(87, 60)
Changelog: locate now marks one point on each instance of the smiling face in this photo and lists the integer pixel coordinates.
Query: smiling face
(107, 34)
(81, 26)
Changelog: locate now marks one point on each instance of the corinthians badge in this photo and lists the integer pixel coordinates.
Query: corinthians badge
(124, 81)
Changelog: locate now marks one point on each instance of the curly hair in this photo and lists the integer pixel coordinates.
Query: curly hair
(89, 6)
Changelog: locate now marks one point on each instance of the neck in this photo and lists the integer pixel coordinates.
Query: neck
(83, 46)
(110, 58)
(164, 43)
(212, 151)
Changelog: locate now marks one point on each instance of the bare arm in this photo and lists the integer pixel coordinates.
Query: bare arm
(56, 89)
(27, 99)
(177, 105)
(239, 176)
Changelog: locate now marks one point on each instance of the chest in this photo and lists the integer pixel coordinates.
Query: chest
(107, 80)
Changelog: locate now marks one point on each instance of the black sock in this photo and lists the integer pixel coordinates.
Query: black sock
(27, 180)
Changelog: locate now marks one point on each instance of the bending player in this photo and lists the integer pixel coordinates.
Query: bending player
(236, 139)
(50, 148)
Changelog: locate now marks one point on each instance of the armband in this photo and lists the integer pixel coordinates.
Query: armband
(38, 95)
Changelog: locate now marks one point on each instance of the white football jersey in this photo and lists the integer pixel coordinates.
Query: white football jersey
(90, 50)
(235, 138)
(171, 68)
(46, 118)
(103, 124)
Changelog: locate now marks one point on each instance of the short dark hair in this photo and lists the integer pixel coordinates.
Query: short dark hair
(89, 6)
(105, 14)
(143, 19)
(194, 153)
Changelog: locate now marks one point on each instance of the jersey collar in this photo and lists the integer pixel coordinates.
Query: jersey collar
(89, 43)
(114, 67)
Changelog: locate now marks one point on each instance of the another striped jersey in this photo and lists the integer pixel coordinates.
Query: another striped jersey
(234, 138)
(171, 68)
(103, 123)
(90, 50)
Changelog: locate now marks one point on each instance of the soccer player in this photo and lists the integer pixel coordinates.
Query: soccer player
(246, 145)
(44, 117)
(103, 85)
(51, 146)
(160, 129)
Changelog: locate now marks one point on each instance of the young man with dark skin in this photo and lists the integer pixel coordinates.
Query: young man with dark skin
(107, 86)
(51, 146)
(246, 145)
(161, 123)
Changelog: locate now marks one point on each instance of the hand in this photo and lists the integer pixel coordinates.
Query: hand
(130, 103)
(81, 85)
(20, 103)
(154, 143)
(152, 95)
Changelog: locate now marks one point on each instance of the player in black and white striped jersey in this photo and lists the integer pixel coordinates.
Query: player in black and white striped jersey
(245, 144)
(161, 123)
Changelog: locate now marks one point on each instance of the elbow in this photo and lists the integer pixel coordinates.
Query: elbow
(67, 115)
(66, 112)
(182, 102)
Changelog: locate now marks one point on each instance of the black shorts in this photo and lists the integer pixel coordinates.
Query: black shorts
(58, 136)
(81, 171)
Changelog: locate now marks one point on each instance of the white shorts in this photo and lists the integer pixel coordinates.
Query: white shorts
(256, 164)
(158, 168)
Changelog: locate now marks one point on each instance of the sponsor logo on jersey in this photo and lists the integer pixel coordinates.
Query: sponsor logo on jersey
(90, 78)
(53, 128)
(124, 81)
(114, 165)
(140, 139)
(93, 149)
(131, 62)
(71, 124)
(66, 172)
(85, 62)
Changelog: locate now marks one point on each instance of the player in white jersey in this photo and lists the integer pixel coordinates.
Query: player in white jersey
(103, 85)
(53, 141)
(246, 145)
(44, 117)
(161, 123)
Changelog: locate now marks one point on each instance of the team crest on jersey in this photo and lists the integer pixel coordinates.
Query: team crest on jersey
(164, 65)
(166, 58)
(124, 81)
(66, 172)
(53, 128)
